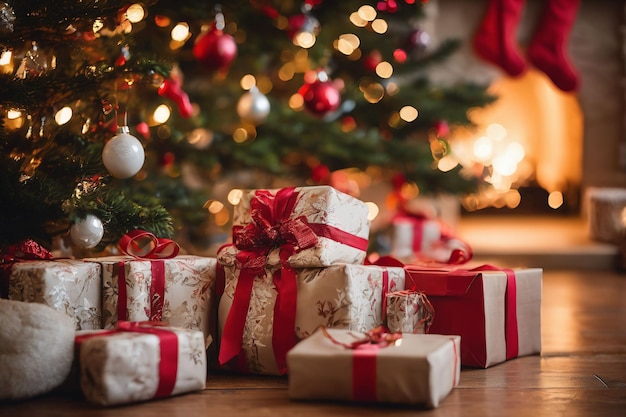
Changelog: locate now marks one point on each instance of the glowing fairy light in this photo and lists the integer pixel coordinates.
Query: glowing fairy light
(63, 116)
(180, 32)
(408, 113)
(384, 69)
(372, 210)
(135, 13)
(483, 148)
(162, 114)
(234, 196)
(367, 13)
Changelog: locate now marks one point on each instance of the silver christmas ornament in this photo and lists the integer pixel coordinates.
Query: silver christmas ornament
(87, 233)
(123, 155)
(253, 106)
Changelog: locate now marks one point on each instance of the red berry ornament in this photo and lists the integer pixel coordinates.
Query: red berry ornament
(215, 49)
(320, 97)
(171, 90)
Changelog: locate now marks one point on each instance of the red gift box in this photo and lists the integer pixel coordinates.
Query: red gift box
(496, 312)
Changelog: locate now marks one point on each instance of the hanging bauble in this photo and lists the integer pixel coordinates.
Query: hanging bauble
(87, 233)
(417, 43)
(34, 63)
(171, 89)
(320, 97)
(123, 154)
(7, 17)
(215, 49)
(253, 106)
(371, 60)
(441, 128)
(303, 29)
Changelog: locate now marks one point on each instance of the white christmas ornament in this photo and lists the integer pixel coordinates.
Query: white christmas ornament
(253, 106)
(123, 154)
(87, 232)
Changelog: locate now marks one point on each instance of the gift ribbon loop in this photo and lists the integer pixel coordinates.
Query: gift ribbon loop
(145, 245)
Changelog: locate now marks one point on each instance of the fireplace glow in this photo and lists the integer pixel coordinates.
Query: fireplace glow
(531, 135)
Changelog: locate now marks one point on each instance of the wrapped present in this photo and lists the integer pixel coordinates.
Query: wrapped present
(409, 312)
(497, 312)
(319, 224)
(67, 285)
(177, 290)
(336, 364)
(139, 362)
(261, 317)
(417, 238)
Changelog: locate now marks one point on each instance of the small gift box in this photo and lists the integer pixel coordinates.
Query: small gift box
(261, 316)
(409, 312)
(138, 362)
(322, 224)
(336, 364)
(178, 291)
(497, 312)
(71, 286)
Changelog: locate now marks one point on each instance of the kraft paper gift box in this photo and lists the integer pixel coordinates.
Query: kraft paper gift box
(326, 225)
(137, 362)
(418, 369)
(409, 312)
(179, 291)
(71, 286)
(261, 319)
(497, 312)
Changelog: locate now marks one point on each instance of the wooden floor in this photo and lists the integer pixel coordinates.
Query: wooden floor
(581, 372)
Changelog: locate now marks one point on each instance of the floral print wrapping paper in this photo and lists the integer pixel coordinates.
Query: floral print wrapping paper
(188, 298)
(342, 296)
(408, 312)
(124, 367)
(321, 205)
(71, 286)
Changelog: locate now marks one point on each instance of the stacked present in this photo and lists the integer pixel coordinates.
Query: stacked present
(292, 294)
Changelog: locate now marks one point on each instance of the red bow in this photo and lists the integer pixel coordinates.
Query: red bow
(145, 245)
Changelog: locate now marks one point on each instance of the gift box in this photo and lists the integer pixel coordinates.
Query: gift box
(416, 369)
(497, 312)
(71, 286)
(138, 362)
(179, 291)
(325, 225)
(262, 316)
(409, 312)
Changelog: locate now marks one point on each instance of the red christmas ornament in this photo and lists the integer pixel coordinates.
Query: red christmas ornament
(320, 174)
(441, 128)
(171, 89)
(215, 49)
(320, 97)
(372, 60)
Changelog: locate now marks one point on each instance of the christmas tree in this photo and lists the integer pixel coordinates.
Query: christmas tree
(118, 116)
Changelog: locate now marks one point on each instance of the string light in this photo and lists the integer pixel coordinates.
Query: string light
(180, 32)
(162, 113)
(63, 116)
(135, 13)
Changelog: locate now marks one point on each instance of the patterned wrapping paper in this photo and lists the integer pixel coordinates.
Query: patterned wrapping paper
(421, 370)
(128, 366)
(187, 298)
(409, 312)
(71, 286)
(320, 205)
(497, 312)
(340, 296)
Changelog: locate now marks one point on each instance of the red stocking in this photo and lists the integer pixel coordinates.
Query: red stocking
(495, 40)
(547, 49)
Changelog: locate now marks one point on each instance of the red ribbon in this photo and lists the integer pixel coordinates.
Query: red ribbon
(145, 245)
(273, 228)
(168, 363)
(365, 351)
(26, 250)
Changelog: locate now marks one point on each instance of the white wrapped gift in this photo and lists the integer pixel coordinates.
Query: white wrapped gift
(140, 362)
(417, 369)
(71, 286)
(340, 296)
(408, 312)
(179, 291)
(338, 220)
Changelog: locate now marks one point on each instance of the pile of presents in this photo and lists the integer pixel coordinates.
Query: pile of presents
(293, 294)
